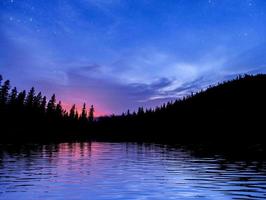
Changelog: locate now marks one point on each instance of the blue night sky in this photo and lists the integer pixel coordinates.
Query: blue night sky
(120, 54)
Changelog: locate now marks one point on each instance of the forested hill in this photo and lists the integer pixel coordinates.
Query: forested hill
(231, 110)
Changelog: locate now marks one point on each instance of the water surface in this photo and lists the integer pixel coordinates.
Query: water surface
(101, 171)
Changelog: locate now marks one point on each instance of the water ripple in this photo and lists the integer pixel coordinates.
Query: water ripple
(102, 171)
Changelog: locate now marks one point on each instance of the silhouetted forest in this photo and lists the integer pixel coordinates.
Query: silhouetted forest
(230, 111)
(30, 115)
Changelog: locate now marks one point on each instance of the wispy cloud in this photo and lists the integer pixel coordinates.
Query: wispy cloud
(118, 54)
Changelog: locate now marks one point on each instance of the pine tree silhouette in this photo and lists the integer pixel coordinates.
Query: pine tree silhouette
(59, 110)
(91, 114)
(43, 105)
(21, 98)
(31, 115)
(37, 101)
(4, 92)
(51, 105)
(232, 106)
(13, 96)
(84, 113)
(72, 112)
(30, 98)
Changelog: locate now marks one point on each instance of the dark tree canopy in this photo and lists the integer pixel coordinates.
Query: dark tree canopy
(51, 105)
(29, 113)
(21, 98)
(84, 113)
(37, 101)
(91, 114)
(4, 92)
(13, 96)
(211, 114)
(30, 97)
(72, 112)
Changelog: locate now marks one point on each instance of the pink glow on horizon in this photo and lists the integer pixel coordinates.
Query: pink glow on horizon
(67, 106)
(78, 96)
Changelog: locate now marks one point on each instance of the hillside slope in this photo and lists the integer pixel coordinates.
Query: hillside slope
(232, 110)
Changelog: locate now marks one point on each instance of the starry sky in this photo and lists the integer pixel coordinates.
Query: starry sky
(122, 54)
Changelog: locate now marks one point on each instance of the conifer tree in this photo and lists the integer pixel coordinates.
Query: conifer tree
(4, 92)
(30, 97)
(84, 113)
(140, 111)
(13, 96)
(59, 109)
(51, 105)
(91, 114)
(21, 98)
(72, 112)
(37, 101)
(43, 105)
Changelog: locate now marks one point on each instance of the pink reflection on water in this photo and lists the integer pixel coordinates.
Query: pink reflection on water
(85, 160)
(76, 151)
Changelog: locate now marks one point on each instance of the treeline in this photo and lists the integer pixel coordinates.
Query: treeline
(229, 111)
(30, 115)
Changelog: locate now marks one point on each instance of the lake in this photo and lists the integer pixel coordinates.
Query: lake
(100, 171)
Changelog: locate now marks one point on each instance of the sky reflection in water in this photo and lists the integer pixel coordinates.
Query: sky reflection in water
(124, 171)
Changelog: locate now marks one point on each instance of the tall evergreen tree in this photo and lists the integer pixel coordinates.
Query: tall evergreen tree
(30, 97)
(51, 105)
(84, 113)
(13, 96)
(72, 112)
(21, 98)
(59, 109)
(4, 92)
(91, 114)
(140, 111)
(43, 105)
(37, 101)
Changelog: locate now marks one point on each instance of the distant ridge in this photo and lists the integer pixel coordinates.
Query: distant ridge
(234, 109)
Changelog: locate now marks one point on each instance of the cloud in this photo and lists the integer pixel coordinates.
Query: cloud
(107, 95)
(113, 53)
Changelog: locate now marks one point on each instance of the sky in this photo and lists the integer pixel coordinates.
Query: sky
(122, 54)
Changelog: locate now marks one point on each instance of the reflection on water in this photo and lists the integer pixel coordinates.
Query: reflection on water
(124, 171)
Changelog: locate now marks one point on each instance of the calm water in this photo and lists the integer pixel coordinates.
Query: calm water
(124, 171)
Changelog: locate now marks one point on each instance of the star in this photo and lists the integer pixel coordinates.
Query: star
(179, 48)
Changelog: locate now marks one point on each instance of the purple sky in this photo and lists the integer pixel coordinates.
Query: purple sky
(119, 55)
